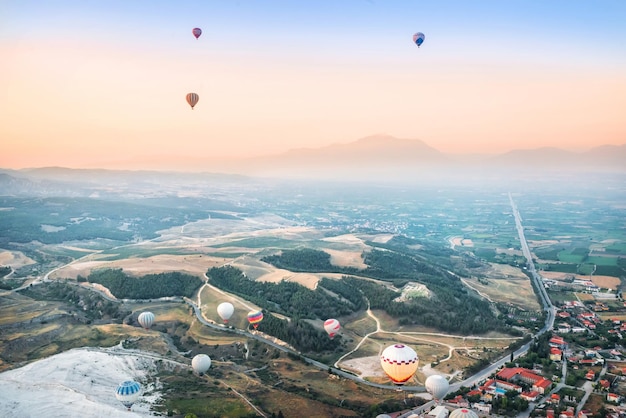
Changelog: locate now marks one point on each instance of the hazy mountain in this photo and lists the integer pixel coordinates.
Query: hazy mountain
(379, 157)
(387, 158)
(373, 156)
(605, 158)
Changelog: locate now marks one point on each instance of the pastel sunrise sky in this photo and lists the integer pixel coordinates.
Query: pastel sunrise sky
(88, 84)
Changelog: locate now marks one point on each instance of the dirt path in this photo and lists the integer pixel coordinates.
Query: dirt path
(417, 336)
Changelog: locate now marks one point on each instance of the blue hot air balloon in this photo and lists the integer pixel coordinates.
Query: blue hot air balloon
(418, 39)
(128, 392)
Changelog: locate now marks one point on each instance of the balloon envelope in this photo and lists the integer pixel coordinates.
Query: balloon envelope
(192, 99)
(225, 310)
(254, 317)
(196, 32)
(332, 326)
(437, 386)
(463, 413)
(399, 363)
(128, 392)
(201, 363)
(418, 38)
(146, 319)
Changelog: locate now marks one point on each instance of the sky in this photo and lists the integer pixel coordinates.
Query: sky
(88, 83)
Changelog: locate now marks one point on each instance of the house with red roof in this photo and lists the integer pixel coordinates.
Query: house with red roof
(530, 396)
(542, 386)
(589, 324)
(557, 342)
(460, 401)
(514, 374)
(613, 397)
(474, 393)
(555, 354)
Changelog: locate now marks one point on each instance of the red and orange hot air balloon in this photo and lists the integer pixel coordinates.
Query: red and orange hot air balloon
(254, 317)
(196, 32)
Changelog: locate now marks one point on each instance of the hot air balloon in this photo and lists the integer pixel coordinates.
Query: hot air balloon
(128, 392)
(463, 413)
(332, 326)
(201, 363)
(254, 317)
(437, 386)
(225, 311)
(146, 319)
(196, 32)
(192, 99)
(399, 363)
(418, 39)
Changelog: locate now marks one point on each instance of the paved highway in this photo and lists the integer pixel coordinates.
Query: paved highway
(543, 299)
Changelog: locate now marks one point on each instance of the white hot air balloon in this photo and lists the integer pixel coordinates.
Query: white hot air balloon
(225, 311)
(128, 392)
(201, 363)
(399, 362)
(437, 386)
(146, 319)
(332, 326)
(463, 413)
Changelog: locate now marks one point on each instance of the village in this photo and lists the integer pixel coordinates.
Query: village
(577, 370)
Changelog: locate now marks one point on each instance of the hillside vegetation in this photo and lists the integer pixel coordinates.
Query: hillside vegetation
(150, 286)
(452, 309)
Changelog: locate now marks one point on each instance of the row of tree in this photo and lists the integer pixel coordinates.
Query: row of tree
(288, 298)
(150, 286)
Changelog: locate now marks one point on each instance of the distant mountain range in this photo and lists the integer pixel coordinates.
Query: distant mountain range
(387, 156)
(378, 157)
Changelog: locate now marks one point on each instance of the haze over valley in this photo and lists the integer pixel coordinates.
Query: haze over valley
(434, 251)
(324, 209)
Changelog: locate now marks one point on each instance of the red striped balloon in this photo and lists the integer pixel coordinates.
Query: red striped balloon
(332, 326)
(192, 99)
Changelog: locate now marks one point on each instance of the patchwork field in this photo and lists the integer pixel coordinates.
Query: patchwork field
(605, 282)
(506, 284)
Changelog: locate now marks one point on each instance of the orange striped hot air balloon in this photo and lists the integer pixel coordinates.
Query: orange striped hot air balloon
(192, 99)
(254, 317)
